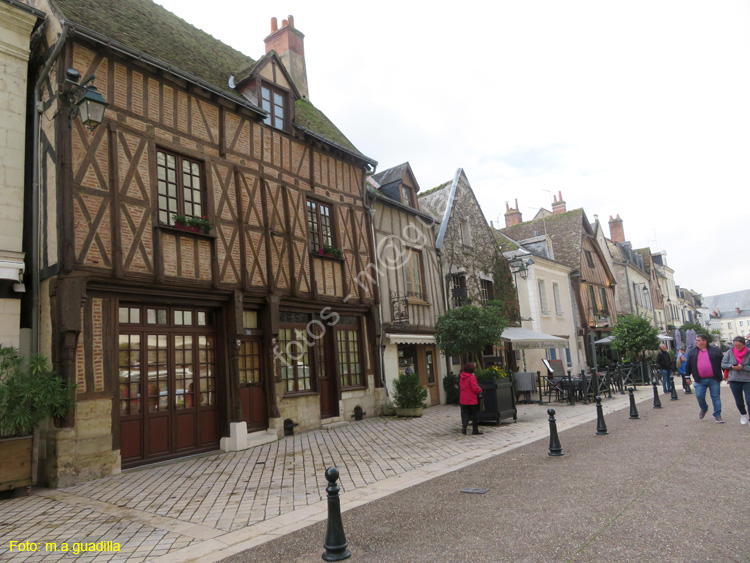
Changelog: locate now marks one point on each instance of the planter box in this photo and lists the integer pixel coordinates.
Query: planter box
(417, 412)
(499, 400)
(15, 462)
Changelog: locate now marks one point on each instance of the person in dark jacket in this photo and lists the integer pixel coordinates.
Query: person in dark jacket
(469, 398)
(664, 363)
(704, 365)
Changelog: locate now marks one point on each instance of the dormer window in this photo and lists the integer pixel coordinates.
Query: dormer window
(406, 196)
(274, 101)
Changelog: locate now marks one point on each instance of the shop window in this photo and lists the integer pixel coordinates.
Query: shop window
(156, 316)
(130, 373)
(179, 186)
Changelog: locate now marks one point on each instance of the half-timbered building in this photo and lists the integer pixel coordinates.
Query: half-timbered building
(200, 249)
(574, 244)
(410, 281)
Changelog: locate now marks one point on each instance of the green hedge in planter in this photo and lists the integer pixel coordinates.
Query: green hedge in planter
(30, 392)
(408, 391)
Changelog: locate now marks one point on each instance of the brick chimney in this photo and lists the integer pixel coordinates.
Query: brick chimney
(558, 205)
(616, 232)
(737, 310)
(289, 44)
(512, 216)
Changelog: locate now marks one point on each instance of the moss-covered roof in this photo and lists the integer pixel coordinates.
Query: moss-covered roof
(436, 188)
(309, 117)
(149, 28)
(564, 229)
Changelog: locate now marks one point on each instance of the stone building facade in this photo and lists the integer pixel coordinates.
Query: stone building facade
(17, 22)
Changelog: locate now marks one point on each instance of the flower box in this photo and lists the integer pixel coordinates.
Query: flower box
(189, 228)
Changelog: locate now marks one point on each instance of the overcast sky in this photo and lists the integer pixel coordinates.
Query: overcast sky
(640, 108)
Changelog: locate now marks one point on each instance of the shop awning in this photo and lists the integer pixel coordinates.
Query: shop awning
(663, 338)
(525, 339)
(411, 338)
(605, 340)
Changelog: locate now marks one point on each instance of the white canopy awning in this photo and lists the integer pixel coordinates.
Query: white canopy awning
(663, 337)
(411, 338)
(605, 340)
(525, 339)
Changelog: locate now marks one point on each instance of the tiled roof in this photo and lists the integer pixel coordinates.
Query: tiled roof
(564, 229)
(149, 28)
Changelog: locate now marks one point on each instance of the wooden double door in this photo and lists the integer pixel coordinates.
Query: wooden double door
(422, 360)
(167, 384)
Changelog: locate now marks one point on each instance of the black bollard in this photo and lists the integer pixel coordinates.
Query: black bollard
(335, 542)
(657, 400)
(672, 389)
(555, 448)
(601, 427)
(633, 410)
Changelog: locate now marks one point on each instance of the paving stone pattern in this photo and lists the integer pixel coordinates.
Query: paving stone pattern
(158, 510)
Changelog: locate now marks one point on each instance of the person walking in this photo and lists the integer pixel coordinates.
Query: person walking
(469, 398)
(737, 361)
(681, 362)
(704, 365)
(664, 363)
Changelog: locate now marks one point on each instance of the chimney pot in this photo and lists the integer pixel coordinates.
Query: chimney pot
(507, 207)
(288, 43)
(560, 194)
(737, 310)
(516, 203)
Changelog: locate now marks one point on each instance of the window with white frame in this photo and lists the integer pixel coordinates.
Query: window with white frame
(543, 297)
(556, 297)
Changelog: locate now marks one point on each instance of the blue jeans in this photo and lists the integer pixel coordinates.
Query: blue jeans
(738, 387)
(701, 384)
(665, 380)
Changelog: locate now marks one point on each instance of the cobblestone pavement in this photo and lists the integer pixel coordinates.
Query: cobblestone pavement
(207, 507)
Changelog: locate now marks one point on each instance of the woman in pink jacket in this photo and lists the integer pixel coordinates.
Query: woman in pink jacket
(469, 398)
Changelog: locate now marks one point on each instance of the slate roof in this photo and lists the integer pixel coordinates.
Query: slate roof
(154, 31)
(728, 301)
(564, 229)
(390, 175)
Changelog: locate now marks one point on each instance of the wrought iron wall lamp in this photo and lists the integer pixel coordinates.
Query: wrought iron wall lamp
(85, 101)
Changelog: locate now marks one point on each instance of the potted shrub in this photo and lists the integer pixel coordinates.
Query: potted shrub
(499, 394)
(409, 395)
(30, 392)
(389, 409)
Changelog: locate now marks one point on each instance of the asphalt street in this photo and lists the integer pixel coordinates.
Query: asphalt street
(664, 488)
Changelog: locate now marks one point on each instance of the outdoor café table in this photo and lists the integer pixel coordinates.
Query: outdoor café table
(526, 384)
